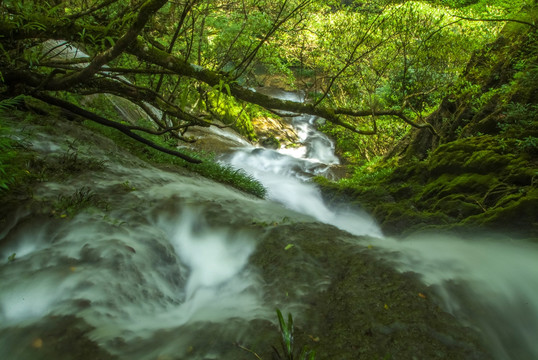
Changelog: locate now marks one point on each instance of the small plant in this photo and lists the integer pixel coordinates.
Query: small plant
(70, 161)
(68, 205)
(11, 103)
(127, 186)
(11, 257)
(287, 342)
(7, 155)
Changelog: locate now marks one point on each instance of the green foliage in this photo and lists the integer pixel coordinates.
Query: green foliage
(520, 115)
(356, 149)
(10, 103)
(519, 122)
(82, 198)
(6, 154)
(371, 173)
(230, 111)
(127, 186)
(287, 342)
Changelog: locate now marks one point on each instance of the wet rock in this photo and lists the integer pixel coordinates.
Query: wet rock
(274, 133)
(354, 303)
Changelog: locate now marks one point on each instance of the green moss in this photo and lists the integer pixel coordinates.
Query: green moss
(514, 213)
(481, 154)
(485, 161)
(458, 206)
(448, 184)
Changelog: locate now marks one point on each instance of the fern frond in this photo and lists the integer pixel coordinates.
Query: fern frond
(11, 103)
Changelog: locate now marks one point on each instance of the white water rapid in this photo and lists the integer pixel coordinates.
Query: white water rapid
(487, 281)
(159, 264)
(284, 173)
(154, 267)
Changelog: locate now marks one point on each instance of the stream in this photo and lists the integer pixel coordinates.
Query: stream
(158, 264)
(488, 281)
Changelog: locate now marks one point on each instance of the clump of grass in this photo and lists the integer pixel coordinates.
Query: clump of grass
(231, 176)
(209, 167)
(12, 160)
(287, 342)
(69, 205)
(70, 162)
(7, 154)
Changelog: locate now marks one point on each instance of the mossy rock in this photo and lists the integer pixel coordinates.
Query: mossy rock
(350, 302)
(516, 212)
(478, 154)
(458, 206)
(403, 217)
(448, 184)
(485, 161)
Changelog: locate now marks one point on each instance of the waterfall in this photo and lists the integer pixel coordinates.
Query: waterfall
(284, 172)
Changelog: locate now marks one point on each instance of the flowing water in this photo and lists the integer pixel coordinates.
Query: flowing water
(284, 172)
(158, 266)
(487, 281)
(155, 266)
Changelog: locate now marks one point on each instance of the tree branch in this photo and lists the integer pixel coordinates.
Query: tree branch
(497, 20)
(92, 9)
(212, 78)
(120, 127)
(145, 13)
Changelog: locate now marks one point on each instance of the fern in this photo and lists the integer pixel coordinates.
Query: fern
(11, 103)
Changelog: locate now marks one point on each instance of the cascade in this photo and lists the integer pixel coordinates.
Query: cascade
(487, 281)
(284, 171)
(158, 266)
(155, 266)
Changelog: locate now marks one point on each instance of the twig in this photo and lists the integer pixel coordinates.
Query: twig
(248, 350)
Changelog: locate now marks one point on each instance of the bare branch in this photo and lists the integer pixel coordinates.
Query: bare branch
(92, 9)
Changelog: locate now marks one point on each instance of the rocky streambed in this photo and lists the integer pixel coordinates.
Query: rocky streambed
(116, 258)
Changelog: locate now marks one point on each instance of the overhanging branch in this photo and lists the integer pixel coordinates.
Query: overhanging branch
(497, 20)
(112, 124)
(212, 78)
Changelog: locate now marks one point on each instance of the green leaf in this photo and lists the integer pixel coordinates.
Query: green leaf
(110, 39)
(289, 246)
(228, 91)
(286, 330)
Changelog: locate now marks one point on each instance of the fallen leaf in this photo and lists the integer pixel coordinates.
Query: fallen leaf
(37, 343)
(422, 295)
